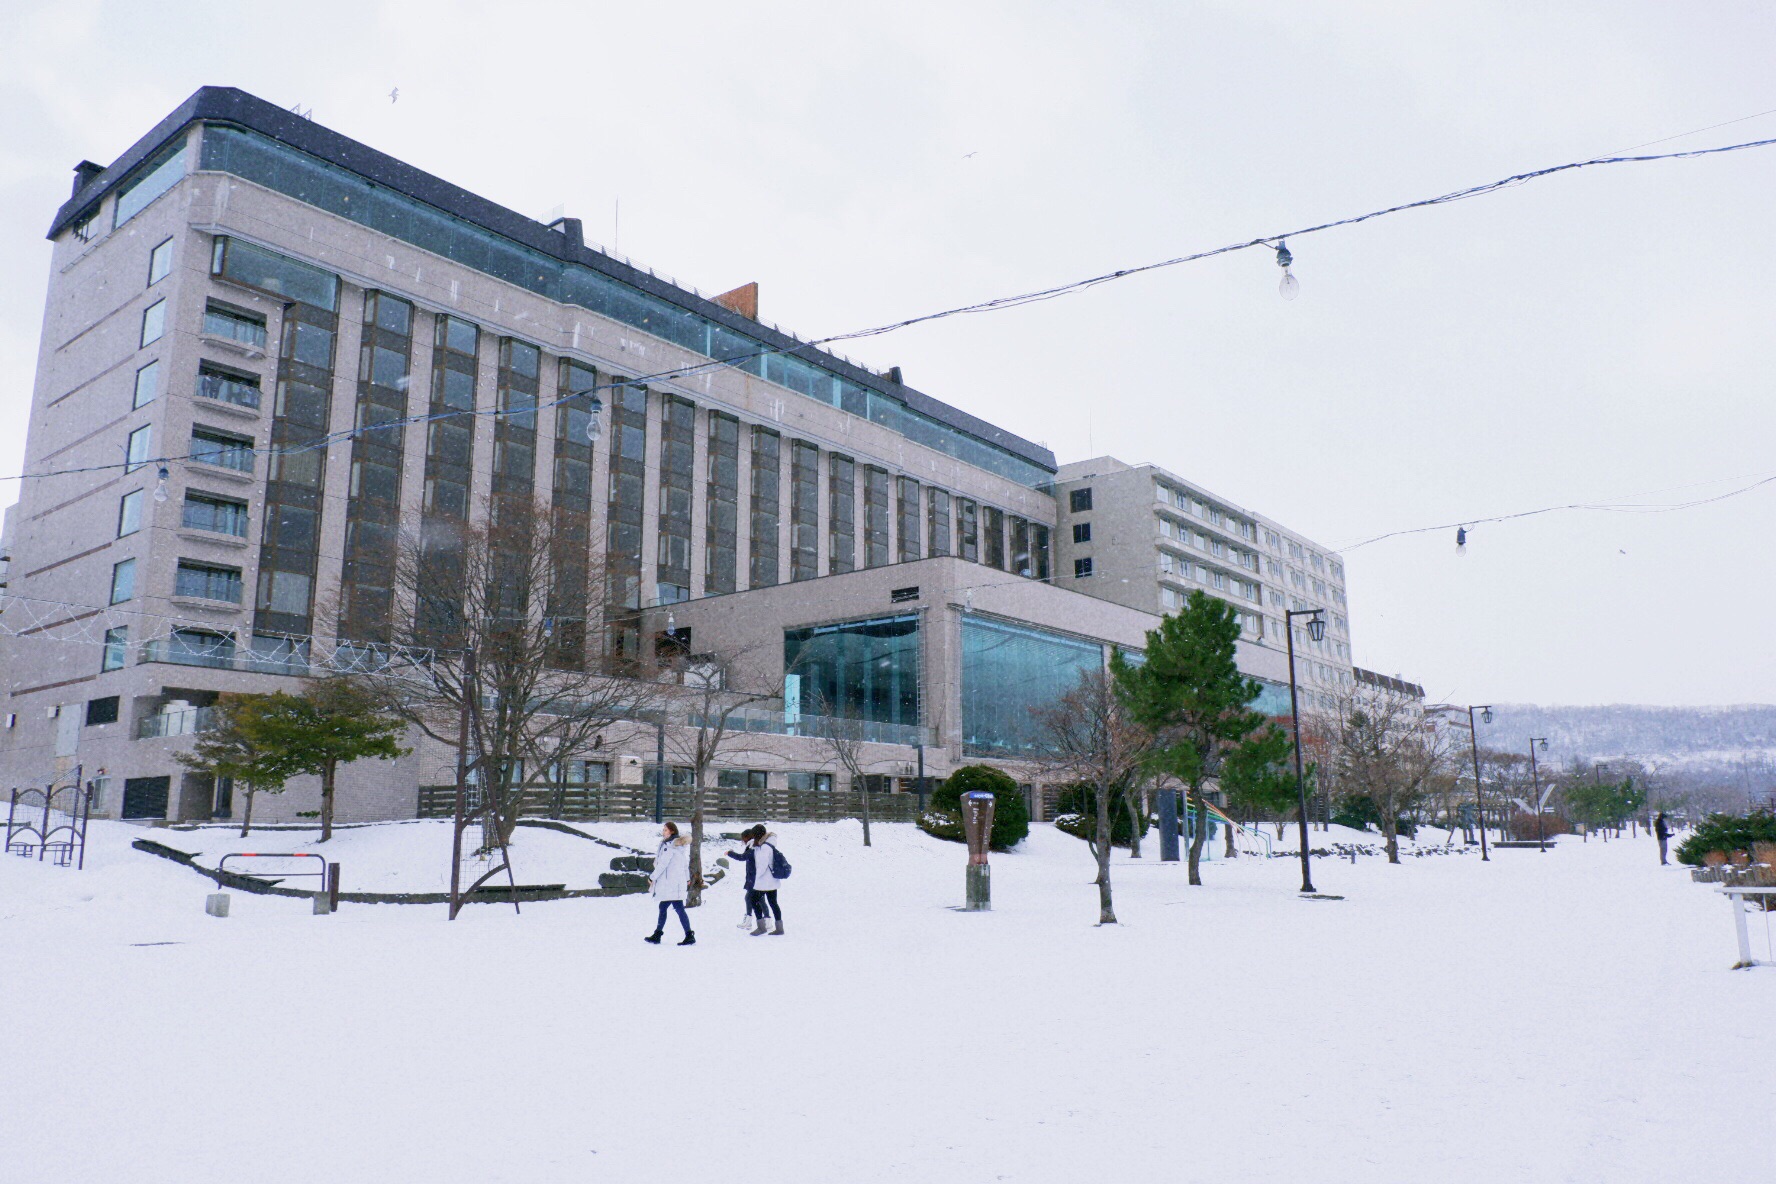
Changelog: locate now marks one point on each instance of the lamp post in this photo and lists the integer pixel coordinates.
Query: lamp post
(1479, 802)
(1316, 629)
(1535, 790)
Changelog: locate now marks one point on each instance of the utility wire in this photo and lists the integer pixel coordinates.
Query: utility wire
(1269, 241)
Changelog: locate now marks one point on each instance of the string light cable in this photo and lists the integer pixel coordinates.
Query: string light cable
(1275, 242)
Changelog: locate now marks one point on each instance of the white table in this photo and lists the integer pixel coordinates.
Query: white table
(1736, 895)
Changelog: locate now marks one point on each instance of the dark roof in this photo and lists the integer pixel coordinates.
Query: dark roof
(1388, 682)
(228, 104)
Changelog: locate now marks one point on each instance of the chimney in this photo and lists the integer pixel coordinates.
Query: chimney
(570, 229)
(84, 172)
(894, 376)
(743, 300)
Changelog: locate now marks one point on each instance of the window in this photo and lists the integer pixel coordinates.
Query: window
(967, 530)
(153, 322)
(152, 180)
(864, 670)
(992, 526)
(101, 711)
(1010, 671)
(875, 516)
(1079, 500)
(223, 449)
(1082, 568)
(227, 386)
(810, 782)
(740, 779)
(223, 515)
(902, 595)
(907, 522)
(135, 452)
(129, 513)
(207, 582)
(123, 581)
(255, 267)
(721, 525)
(1082, 532)
(147, 385)
(199, 647)
(160, 261)
(841, 513)
(804, 510)
(767, 475)
(937, 522)
(115, 649)
(283, 592)
(234, 324)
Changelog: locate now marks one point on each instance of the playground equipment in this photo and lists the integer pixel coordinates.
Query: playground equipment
(58, 828)
(326, 896)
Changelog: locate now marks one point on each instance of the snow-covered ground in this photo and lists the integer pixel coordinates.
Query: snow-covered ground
(1557, 1017)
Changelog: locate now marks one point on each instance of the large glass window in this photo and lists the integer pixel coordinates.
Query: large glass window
(223, 515)
(678, 435)
(1011, 671)
(570, 594)
(234, 324)
(804, 511)
(721, 529)
(116, 649)
(992, 524)
(907, 518)
(623, 525)
(767, 470)
(135, 453)
(866, 670)
(937, 525)
(147, 385)
(227, 386)
(153, 322)
(123, 581)
(207, 582)
(160, 262)
(152, 180)
(129, 513)
(841, 513)
(875, 516)
(255, 267)
(223, 449)
(967, 530)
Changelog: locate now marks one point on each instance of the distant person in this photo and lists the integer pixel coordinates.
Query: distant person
(760, 857)
(1662, 832)
(671, 881)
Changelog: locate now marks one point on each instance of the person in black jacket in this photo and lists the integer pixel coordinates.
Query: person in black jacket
(761, 885)
(1662, 832)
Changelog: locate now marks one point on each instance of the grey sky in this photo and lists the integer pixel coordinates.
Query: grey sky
(1582, 338)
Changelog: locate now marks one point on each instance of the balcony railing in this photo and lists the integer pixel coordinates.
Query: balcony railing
(777, 723)
(223, 657)
(228, 390)
(186, 722)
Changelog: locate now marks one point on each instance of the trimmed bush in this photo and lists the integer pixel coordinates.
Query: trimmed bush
(1076, 813)
(1011, 816)
(1728, 833)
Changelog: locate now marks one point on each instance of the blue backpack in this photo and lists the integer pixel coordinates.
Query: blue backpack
(780, 868)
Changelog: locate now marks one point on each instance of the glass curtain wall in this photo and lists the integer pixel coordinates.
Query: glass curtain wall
(875, 516)
(804, 510)
(373, 501)
(721, 541)
(449, 467)
(678, 437)
(841, 514)
(570, 534)
(867, 670)
(628, 466)
(937, 521)
(767, 469)
(1011, 671)
(289, 553)
(907, 502)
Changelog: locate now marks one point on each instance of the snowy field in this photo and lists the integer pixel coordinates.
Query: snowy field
(1557, 1017)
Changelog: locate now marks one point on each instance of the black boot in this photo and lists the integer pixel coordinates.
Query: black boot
(653, 939)
(690, 939)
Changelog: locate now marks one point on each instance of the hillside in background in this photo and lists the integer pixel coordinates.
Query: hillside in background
(1725, 755)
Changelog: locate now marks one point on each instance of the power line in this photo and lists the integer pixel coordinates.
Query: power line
(1271, 241)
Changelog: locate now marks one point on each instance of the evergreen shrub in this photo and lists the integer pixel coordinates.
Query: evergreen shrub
(1727, 833)
(1076, 813)
(1011, 815)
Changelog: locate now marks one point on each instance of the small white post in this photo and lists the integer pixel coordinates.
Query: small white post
(216, 904)
(1737, 900)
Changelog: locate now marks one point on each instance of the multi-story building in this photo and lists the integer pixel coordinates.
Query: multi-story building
(270, 354)
(1147, 538)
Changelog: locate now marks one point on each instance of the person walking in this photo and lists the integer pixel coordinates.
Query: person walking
(671, 882)
(759, 855)
(1662, 832)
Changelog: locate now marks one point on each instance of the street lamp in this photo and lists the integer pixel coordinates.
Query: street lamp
(1535, 790)
(1316, 629)
(1479, 802)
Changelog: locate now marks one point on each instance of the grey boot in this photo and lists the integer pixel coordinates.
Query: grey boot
(760, 931)
(778, 932)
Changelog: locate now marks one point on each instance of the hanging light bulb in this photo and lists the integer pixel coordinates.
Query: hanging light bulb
(1290, 287)
(160, 487)
(592, 421)
(1461, 540)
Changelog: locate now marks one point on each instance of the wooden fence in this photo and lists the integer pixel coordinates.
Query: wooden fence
(635, 803)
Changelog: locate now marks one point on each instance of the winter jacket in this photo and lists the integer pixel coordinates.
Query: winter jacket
(758, 865)
(672, 869)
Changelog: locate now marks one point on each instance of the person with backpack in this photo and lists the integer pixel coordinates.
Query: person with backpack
(766, 868)
(671, 882)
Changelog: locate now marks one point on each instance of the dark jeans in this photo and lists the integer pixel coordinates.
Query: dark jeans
(1662, 841)
(660, 925)
(759, 900)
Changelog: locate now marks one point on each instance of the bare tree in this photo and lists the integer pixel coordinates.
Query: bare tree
(506, 635)
(708, 704)
(843, 740)
(1381, 745)
(1088, 737)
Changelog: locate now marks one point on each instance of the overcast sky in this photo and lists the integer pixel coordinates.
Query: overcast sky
(1592, 336)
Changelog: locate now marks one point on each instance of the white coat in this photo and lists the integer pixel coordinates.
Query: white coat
(672, 870)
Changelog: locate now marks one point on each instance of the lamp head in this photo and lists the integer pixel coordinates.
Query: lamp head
(1316, 627)
(1544, 745)
(1486, 715)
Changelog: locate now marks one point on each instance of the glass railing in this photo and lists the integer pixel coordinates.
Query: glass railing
(778, 723)
(228, 390)
(238, 457)
(220, 656)
(185, 722)
(234, 329)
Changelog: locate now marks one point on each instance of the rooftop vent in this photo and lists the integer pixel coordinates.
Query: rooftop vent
(84, 173)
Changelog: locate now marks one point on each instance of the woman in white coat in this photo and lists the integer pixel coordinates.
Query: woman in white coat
(671, 882)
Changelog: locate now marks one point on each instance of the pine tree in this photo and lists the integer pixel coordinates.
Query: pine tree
(332, 722)
(1190, 693)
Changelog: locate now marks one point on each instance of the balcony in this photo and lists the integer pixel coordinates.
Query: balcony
(776, 723)
(225, 389)
(221, 654)
(185, 722)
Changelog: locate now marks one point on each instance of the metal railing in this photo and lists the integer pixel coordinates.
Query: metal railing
(224, 389)
(186, 722)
